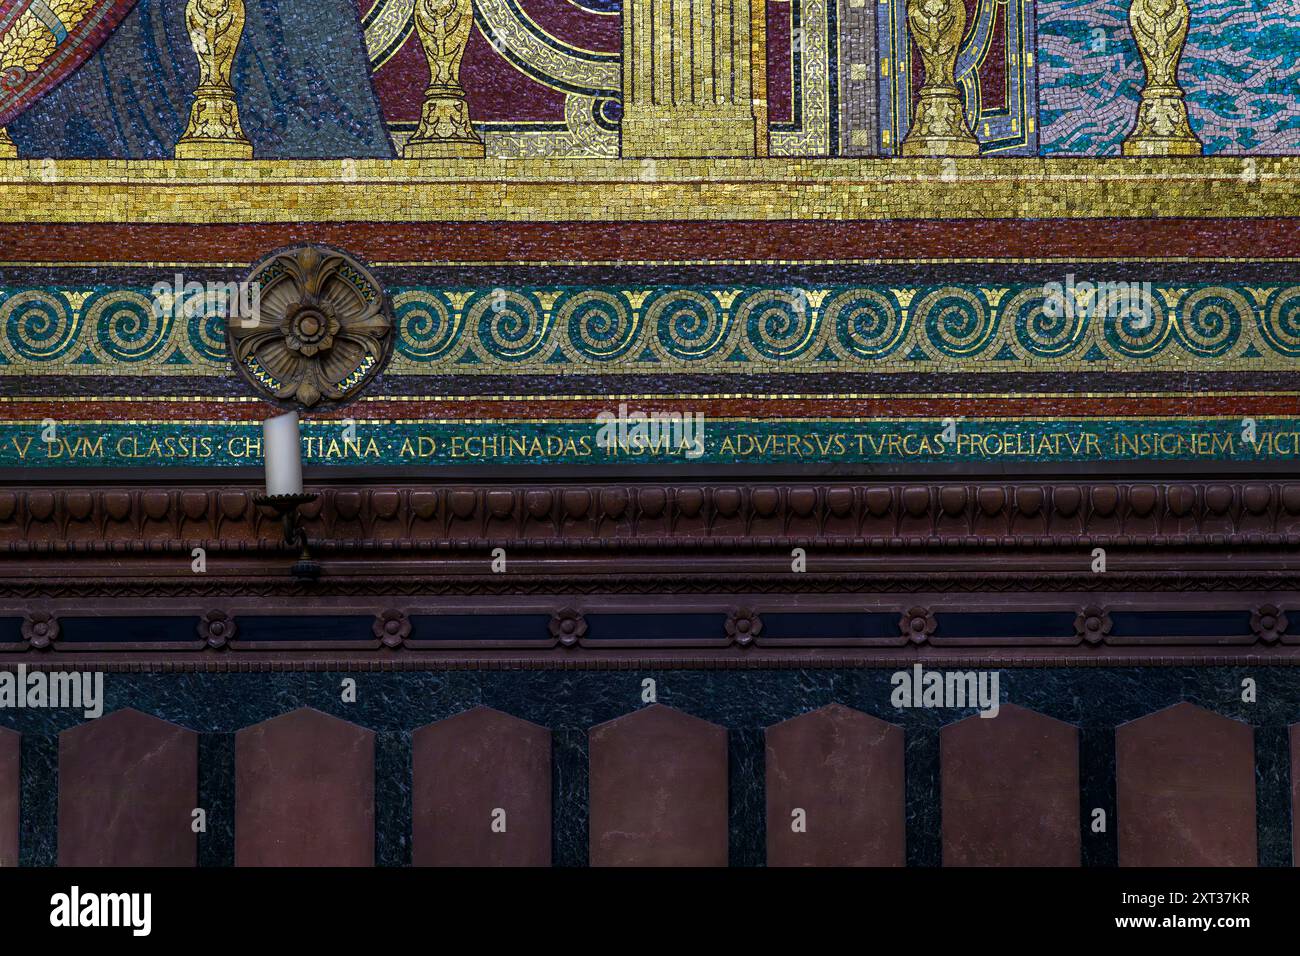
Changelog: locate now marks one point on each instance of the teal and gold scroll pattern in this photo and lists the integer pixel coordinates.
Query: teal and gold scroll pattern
(108, 331)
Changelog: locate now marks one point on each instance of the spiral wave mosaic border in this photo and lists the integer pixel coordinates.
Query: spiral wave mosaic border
(881, 329)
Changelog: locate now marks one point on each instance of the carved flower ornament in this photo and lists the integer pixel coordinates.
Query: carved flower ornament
(312, 326)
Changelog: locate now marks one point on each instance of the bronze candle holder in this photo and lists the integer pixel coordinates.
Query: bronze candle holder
(286, 506)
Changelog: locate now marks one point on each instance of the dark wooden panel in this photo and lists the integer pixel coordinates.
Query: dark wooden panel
(10, 795)
(305, 792)
(1010, 790)
(1185, 780)
(844, 770)
(128, 787)
(482, 791)
(658, 790)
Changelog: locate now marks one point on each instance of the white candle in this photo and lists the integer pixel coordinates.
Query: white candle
(282, 445)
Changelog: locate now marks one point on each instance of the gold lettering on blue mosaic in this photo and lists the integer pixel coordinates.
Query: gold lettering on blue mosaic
(724, 441)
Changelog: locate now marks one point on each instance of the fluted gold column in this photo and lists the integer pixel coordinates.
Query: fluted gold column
(215, 28)
(939, 127)
(688, 78)
(758, 68)
(7, 148)
(444, 131)
(1160, 29)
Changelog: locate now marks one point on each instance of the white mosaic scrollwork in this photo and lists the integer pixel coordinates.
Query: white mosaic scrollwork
(584, 136)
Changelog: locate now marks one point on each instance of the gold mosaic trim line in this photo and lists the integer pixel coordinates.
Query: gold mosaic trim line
(1232, 420)
(652, 397)
(555, 190)
(556, 263)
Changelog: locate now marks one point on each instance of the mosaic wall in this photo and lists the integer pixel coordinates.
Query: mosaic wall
(656, 329)
(512, 375)
(545, 77)
(646, 289)
(821, 229)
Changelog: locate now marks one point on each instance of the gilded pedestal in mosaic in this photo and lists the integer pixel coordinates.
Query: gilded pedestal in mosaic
(214, 131)
(940, 127)
(1160, 29)
(444, 131)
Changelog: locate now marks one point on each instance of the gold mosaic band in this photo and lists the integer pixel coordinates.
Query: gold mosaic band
(553, 190)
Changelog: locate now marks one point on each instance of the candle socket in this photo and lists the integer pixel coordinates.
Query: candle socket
(286, 506)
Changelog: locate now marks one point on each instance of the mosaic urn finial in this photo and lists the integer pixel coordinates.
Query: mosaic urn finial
(214, 131)
(1163, 129)
(444, 131)
(939, 127)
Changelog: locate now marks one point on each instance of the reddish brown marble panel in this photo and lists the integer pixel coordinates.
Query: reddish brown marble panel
(1185, 781)
(10, 790)
(482, 791)
(1010, 790)
(658, 790)
(305, 792)
(128, 788)
(434, 242)
(844, 770)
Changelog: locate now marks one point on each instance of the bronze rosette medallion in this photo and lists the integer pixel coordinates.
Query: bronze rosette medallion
(319, 329)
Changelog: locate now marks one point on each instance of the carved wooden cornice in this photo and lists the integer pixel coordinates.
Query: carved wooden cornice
(1198, 571)
(691, 516)
(694, 537)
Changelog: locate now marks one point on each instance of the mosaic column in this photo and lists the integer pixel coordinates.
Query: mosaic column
(687, 78)
(1160, 29)
(215, 28)
(444, 130)
(7, 148)
(939, 128)
(758, 70)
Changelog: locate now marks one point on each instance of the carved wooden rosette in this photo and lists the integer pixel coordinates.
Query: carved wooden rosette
(939, 127)
(444, 131)
(320, 331)
(1162, 129)
(7, 148)
(214, 132)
